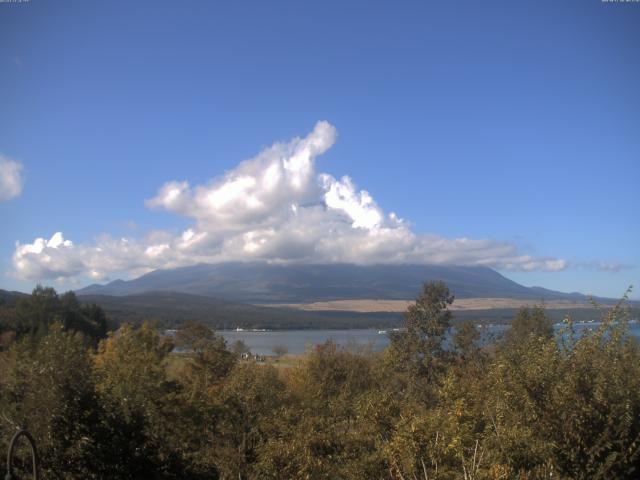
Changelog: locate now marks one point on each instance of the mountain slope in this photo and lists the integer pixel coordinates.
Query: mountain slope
(174, 308)
(10, 297)
(265, 283)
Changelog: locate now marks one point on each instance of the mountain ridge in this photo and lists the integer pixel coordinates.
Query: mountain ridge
(263, 283)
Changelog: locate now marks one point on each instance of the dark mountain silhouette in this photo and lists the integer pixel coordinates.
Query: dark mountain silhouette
(267, 283)
(10, 297)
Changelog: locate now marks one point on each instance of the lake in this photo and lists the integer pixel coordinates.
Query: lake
(298, 341)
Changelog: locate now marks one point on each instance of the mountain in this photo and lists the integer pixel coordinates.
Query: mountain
(265, 283)
(10, 297)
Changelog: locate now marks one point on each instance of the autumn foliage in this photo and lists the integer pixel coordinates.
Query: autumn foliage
(436, 404)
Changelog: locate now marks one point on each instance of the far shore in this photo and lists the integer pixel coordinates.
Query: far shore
(372, 305)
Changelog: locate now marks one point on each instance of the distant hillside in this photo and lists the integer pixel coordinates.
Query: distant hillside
(10, 298)
(172, 308)
(264, 283)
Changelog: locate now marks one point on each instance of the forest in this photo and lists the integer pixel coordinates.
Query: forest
(120, 402)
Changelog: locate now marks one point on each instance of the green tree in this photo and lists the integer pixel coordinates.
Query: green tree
(417, 350)
(33, 315)
(47, 387)
(466, 339)
(250, 399)
(571, 408)
(209, 359)
(529, 322)
(144, 412)
(324, 433)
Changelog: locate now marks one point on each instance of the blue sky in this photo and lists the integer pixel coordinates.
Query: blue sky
(499, 133)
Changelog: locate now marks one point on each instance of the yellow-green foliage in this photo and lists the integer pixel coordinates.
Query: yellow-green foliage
(532, 406)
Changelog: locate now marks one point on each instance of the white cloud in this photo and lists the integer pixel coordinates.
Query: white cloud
(256, 191)
(11, 181)
(359, 206)
(51, 258)
(274, 207)
(612, 267)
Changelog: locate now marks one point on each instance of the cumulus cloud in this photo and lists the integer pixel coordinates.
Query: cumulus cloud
(257, 191)
(359, 206)
(47, 258)
(275, 207)
(11, 180)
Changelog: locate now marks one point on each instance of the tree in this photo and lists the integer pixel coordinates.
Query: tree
(194, 337)
(33, 315)
(240, 348)
(325, 431)
(418, 348)
(530, 322)
(139, 402)
(209, 360)
(280, 350)
(465, 339)
(249, 398)
(47, 387)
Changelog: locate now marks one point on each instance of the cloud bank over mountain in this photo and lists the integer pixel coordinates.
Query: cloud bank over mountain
(275, 207)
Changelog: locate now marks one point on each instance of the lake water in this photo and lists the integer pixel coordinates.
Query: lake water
(298, 341)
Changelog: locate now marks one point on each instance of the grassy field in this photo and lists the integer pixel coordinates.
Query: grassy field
(371, 305)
